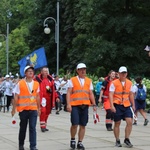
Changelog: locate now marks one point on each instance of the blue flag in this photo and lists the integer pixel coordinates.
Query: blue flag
(37, 59)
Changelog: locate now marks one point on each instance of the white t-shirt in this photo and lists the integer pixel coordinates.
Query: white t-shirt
(81, 81)
(29, 85)
(9, 88)
(64, 88)
(135, 88)
(57, 84)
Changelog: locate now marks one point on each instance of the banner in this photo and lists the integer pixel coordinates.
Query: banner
(37, 59)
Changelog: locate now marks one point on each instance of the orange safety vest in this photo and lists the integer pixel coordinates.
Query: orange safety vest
(27, 100)
(80, 94)
(121, 93)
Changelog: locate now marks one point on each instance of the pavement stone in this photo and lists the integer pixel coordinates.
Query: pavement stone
(58, 136)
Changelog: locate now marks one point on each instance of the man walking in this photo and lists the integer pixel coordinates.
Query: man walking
(79, 97)
(48, 95)
(122, 101)
(26, 101)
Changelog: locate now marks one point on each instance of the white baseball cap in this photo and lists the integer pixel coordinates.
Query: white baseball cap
(28, 67)
(11, 76)
(122, 69)
(81, 65)
(7, 76)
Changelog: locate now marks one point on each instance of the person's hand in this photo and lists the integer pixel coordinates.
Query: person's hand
(13, 112)
(57, 100)
(69, 108)
(100, 100)
(39, 112)
(113, 109)
(133, 107)
(94, 108)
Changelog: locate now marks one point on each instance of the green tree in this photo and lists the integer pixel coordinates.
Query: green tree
(18, 14)
(111, 34)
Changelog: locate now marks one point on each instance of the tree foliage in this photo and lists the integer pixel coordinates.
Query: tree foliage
(103, 34)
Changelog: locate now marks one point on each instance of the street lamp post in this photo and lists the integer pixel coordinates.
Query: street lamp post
(7, 48)
(47, 31)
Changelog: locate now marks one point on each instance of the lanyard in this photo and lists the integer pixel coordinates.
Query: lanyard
(123, 88)
(29, 89)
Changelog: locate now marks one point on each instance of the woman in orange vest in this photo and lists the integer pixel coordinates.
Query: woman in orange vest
(104, 94)
(27, 103)
(79, 97)
(122, 102)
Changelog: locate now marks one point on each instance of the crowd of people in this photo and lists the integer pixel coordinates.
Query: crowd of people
(36, 95)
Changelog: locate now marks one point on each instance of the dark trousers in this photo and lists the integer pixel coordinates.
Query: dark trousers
(58, 104)
(9, 98)
(109, 118)
(25, 117)
(96, 99)
(64, 102)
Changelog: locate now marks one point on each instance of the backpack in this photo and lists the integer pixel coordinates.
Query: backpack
(141, 94)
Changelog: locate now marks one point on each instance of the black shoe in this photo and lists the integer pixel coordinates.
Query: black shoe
(73, 144)
(80, 146)
(118, 144)
(128, 143)
(135, 123)
(109, 129)
(46, 129)
(43, 129)
(57, 112)
(21, 148)
(146, 122)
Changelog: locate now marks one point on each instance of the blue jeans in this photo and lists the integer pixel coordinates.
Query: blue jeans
(25, 117)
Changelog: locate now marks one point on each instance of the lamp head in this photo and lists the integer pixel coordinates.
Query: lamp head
(47, 30)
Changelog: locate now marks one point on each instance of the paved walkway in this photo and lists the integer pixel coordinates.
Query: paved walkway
(58, 137)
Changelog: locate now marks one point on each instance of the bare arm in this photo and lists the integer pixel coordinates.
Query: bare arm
(61, 85)
(100, 96)
(38, 100)
(38, 103)
(92, 99)
(16, 97)
(111, 101)
(68, 99)
(131, 98)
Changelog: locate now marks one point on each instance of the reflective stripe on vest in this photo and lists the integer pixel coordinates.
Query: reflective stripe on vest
(121, 96)
(27, 104)
(80, 94)
(84, 98)
(25, 97)
(80, 91)
(121, 93)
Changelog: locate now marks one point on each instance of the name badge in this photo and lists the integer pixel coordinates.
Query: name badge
(32, 98)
